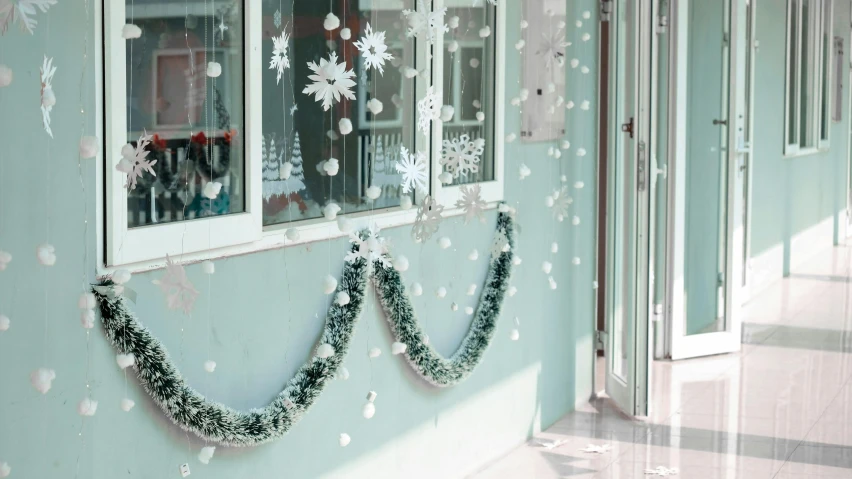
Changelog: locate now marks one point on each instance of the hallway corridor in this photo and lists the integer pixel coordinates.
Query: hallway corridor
(781, 408)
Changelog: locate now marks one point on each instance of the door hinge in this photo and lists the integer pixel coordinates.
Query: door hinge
(600, 340)
(640, 166)
(606, 10)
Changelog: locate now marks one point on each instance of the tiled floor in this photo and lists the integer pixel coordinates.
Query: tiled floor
(781, 408)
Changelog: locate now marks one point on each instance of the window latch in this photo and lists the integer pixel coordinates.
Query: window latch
(628, 127)
(720, 122)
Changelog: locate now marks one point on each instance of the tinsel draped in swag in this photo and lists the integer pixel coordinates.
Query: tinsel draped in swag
(439, 371)
(217, 423)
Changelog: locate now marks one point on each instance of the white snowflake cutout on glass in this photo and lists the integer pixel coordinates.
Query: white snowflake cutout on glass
(373, 49)
(661, 471)
(428, 110)
(500, 244)
(276, 19)
(24, 11)
(472, 203)
(179, 291)
(561, 202)
(134, 161)
(280, 60)
(428, 219)
(371, 248)
(552, 46)
(461, 156)
(595, 449)
(48, 97)
(425, 24)
(414, 171)
(331, 80)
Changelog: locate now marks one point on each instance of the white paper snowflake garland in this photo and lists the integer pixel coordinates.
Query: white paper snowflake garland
(280, 59)
(428, 110)
(425, 24)
(461, 156)
(24, 11)
(552, 48)
(472, 203)
(331, 81)
(414, 170)
(175, 285)
(373, 49)
(134, 161)
(48, 97)
(428, 219)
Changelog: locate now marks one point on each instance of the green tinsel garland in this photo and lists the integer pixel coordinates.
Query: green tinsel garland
(220, 424)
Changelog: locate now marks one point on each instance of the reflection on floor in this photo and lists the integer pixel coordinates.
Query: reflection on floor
(781, 408)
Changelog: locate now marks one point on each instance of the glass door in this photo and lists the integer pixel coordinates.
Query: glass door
(706, 220)
(626, 305)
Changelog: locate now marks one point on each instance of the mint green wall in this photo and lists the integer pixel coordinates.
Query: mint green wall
(265, 312)
(791, 195)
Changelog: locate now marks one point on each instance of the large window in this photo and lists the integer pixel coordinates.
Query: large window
(215, 141)
(808, 72)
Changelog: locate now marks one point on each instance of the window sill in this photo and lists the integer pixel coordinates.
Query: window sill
(274, 237)
(804, 152)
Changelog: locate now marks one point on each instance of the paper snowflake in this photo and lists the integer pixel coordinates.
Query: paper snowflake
(428, 109)
(371, 247)
(472, 203)
(373, 47)
(561, 202)
(276, 19)
(179, 291)
(428, 219)
(595, 449)
(413, 169)
(48, 98)
(331, 80)
(280, 59)
(500, 244)
(552, 46)
(136, 163)
(551, 444)
(222, 27)
(24, 11)
(461, 156)
(424, 23)
(492, 2)
(661, 471)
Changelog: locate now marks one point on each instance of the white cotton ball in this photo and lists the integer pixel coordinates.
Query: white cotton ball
(331, 22)
(332, 135)
(400, 263)
(344, 224)
(511, 137)
(581, 152)
(447, 112)
(285, 170)
(524, 24)
(524, 171)
(585, 71)
(453, 22)
(87, 301)
(576, 261)
(405, 203)
(375, 106)
(554, 247)
(444, 242)
(342, 298)
(206, 454)
(331, 167)
(398, 348)
(42, 379)
(524, 94)
(474, 62)
(214, 69)
(550, 151)
(87, 407)
(342, 373)
(212, 189)
(579, 185)
(344, 440)
(551, 110)
(128, 152)
(594, 285)
(445, 178)
(485, 32)
(124, 361)
(345, 126)
(575, 62)
(474, 255)
(586, 37)
(454, 306)
(569, 105)
(575, 220)
(559, 100)
(551, 282)
(514, 335)
(5, 322)
(130, 31)
(374, 353)
(330, 211)
(516, 101)
(471, 289)
(5, 469)
(88, 144)
(520, 44)
(549, 201)
(584, 105)
(6, 76)
(374, 192)
(127, 404)
(566, 144)
(121, 276)
(87, 319)
(452, 46)
(325, 350)
(345, 33)
(516, 260)
(396, 100)
(329, 284)
(547, 267)
(416, 289)
(410, 73)
(557, 154)
(5, 259)
(587, 14)
(441, 292)
(124, 165)
(292, 234)
(46, 254)
(480, 116)
(512, 291)
(551, 87)
(578, 23)
(563, 178)
(369, 410)
(209, 366)
(468, 310)
(207, 267)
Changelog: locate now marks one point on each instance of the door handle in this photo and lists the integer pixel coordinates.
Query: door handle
(628, 127)
(720, 122)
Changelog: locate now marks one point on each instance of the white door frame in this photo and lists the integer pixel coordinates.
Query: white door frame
(682, 345)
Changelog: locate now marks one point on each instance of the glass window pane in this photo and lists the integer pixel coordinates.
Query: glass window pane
(792, 66)
(297, 130)
(806, 84)
(195, 121)
(468, 84)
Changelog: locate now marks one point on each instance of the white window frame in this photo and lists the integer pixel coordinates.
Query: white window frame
(145, 248)
(802, 109)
